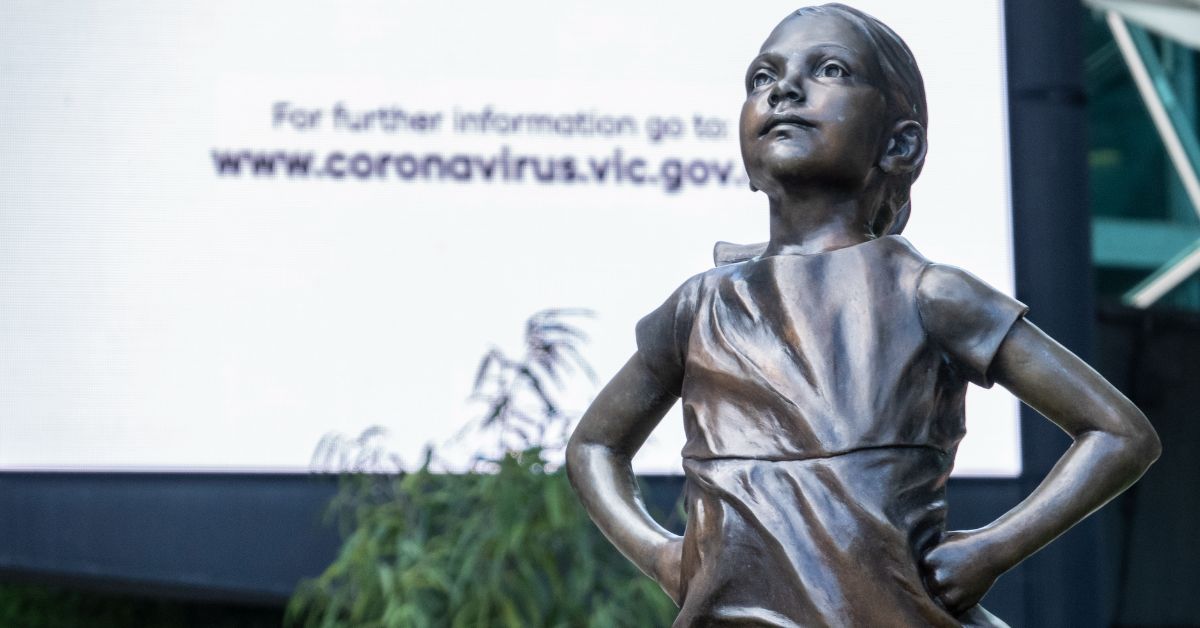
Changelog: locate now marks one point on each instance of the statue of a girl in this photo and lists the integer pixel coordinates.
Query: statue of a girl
(823, 377)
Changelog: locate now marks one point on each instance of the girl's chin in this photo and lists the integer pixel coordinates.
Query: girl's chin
(796, 168)
(794, 176)
(788, 161)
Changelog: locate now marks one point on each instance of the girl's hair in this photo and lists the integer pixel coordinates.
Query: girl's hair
(904, 90)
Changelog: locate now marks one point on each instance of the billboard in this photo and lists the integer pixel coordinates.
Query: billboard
(230, 230)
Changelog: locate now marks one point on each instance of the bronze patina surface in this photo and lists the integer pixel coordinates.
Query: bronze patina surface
(823, 376)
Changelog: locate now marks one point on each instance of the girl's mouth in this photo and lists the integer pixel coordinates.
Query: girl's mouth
(786, 121)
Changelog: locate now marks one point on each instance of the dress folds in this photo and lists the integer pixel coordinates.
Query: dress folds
(823, 402)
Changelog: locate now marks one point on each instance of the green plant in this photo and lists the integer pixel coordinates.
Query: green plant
(507, 547)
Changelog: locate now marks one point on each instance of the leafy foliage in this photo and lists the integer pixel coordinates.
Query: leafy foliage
(365, 453)
(522, 410)
(511, 547)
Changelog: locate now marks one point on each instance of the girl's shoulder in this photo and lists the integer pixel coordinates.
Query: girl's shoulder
(965, 316)
(946, 292)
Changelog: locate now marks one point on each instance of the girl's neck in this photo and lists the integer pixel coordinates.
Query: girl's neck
(816, 224)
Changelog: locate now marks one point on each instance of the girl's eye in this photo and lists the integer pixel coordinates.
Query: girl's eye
(761, 79)
(833, 70)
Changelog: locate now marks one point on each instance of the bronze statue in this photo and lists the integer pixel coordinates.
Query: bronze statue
(823, 376)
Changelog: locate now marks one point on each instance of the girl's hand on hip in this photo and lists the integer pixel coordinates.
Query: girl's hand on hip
(959, 571)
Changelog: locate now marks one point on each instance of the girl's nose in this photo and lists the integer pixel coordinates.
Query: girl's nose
(785, 89)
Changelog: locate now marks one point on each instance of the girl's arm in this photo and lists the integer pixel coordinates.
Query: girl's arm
(598, 464)
(1113, 445)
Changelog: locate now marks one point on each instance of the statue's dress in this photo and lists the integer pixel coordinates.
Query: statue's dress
(823, 403)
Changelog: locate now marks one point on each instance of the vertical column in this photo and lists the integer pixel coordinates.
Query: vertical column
(1051, 228)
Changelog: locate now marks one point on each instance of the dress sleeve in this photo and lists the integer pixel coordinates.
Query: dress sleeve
(965, 317)
(662, 336)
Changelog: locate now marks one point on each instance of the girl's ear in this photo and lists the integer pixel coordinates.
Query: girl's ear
(906, 148)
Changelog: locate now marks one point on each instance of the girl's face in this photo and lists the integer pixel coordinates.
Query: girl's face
(813, 111)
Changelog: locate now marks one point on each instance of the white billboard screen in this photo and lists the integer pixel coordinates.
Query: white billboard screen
(228, 229)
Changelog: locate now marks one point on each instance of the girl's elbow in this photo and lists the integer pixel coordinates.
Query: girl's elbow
(1147, 445)
(580, 458)
(1140, 445)
(575, 455)
(1144, 442)
(1128, 445)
